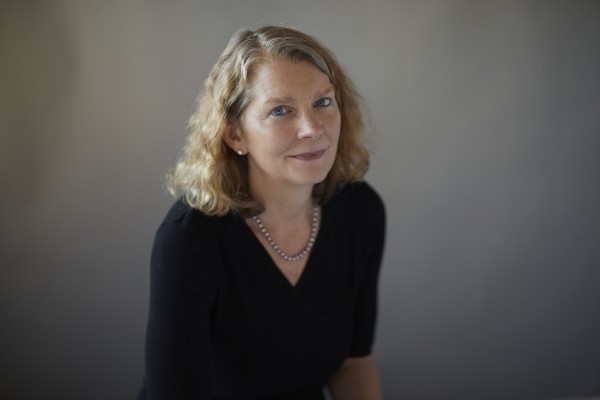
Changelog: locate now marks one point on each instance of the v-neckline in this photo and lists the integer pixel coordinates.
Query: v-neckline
(272, 265)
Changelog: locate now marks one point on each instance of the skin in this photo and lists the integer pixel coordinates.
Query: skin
(289, 131)
(357, 379)
(290, 120)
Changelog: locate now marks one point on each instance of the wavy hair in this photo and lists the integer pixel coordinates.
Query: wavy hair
(210, 176)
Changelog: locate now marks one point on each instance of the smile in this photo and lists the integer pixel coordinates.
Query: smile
(310, 156)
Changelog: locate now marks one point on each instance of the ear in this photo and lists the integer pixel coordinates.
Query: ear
(234, 139)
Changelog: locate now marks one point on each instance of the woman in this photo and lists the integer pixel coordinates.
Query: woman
(264, 273)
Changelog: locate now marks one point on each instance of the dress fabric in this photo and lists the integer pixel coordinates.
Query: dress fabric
(225, 323)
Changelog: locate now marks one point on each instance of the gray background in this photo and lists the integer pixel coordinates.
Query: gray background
(486, 151)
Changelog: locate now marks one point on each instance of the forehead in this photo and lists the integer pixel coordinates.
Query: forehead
(286, 78)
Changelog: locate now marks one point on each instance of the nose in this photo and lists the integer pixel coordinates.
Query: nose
(310, 126)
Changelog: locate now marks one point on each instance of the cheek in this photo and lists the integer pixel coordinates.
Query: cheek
(275, 141)
(334, 126)
(265, 138)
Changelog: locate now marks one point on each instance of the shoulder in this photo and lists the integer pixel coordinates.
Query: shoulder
(184, 234)
(183, 257)
(183, 215)
(358, 209)
(184, 220)
(360, 197)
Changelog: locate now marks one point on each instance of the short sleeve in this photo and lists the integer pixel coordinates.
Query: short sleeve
(182, 294)
(365, 312)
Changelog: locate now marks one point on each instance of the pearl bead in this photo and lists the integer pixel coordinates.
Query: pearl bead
(281, 253)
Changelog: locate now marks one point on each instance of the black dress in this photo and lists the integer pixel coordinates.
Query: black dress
(224, 322)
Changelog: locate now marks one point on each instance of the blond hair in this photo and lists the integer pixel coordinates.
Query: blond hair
(210, 176)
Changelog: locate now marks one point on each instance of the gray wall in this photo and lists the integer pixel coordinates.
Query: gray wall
(486, 151)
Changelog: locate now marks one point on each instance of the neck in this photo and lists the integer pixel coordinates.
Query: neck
(289, 217)
(284, 204)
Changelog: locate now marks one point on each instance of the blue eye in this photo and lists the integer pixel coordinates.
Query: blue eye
(324, 102)
(278, 111)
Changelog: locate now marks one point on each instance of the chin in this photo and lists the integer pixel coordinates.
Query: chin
(310, 175)
(313, 179)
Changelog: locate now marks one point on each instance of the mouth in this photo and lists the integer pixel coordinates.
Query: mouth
(313, 155)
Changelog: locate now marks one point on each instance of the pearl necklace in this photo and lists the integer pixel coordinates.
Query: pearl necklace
(282, 254)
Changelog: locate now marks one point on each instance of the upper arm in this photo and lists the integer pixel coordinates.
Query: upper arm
(182, 292)
(365, 310)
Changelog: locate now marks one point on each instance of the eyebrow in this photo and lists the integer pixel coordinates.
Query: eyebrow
(279, 100)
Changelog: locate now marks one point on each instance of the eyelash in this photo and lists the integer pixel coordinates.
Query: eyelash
(328, 99)
(284, 110)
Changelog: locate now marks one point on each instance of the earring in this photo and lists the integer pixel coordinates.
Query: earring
(241, 153)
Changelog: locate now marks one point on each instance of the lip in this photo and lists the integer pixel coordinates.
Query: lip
(313, 155)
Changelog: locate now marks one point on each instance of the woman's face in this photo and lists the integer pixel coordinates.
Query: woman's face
(291, 125)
